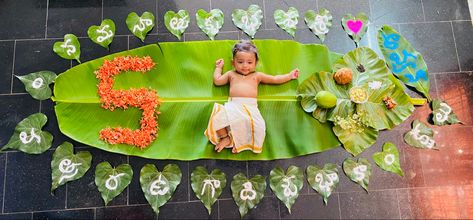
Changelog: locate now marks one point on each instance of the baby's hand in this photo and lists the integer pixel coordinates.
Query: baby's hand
(294, 73)
(219, 63)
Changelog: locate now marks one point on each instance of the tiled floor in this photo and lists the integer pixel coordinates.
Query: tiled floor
(437, 184)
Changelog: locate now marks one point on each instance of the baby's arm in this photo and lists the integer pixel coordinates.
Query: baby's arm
(279, 79)
(219, 79)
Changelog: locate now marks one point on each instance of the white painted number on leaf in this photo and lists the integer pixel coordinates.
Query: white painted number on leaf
(107, 33)
(250, 23)
(248, 193)
(24, 137)
(211, 25)
(179, 23)
(443, 115)
(112, 181)
(37, 83)
(320, 24)
(143, 23)
(70, 48)
(326, 184)
(360, 172)
(156, 187)
(287, 187)
(423, 139)
(389, 159)
(68, 169)
(212, 184)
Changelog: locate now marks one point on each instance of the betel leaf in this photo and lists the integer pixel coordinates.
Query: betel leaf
(403, 60)
(112, 181)
(158, 187)
(211, 22)
(388, 159)
(319, 23)
(177, 23)
(103, 34)
(67, 166)
(37, 84)
(443, 113)
(354, 135)
(28, 136)
(421, 136)
(355, 26)
(187, 93)
(323, 180)
(69, 48)
(359, 172)
(286, 186)
(248, 21)
(208, 187)
(287, 20)
(247, 193)
(140, 26)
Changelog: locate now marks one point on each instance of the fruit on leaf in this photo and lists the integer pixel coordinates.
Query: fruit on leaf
(325, 99)
(343, 76)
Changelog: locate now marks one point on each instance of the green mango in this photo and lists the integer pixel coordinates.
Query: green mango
(325, 99)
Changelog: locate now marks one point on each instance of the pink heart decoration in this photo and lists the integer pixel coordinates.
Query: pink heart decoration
(355, 25)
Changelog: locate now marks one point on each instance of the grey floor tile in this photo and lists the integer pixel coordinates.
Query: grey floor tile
(312, 207)
(6, 65)
(193, 210)
(127, 212)
(375, 205)
(30, 25)
(440, 10)
(16, 216)
(68, 214)
(396, 11)
(2, 174)
(199, 36)
(91, 50)
(266, 209)
(118, 10)
(134, 42)
(456, 90)
(463, 31)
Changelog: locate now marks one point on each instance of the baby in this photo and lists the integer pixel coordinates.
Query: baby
(238, 124)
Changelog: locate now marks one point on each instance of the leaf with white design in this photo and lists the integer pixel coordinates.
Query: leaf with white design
(208, 187)
(359, 172)
(355, 26)
(323, 180)
(248, 21)
(443, 113)
(177, 23)
(286, 186)
(140, 26)
(211, 22)
(158, 187)
(421, 136)
(319, 23)
(37, 84)
(247, 193)
(112, 181)
(388, 159)
(103, 34)
(67, 166)
(69, 48)
(28, 136)
(287, 20)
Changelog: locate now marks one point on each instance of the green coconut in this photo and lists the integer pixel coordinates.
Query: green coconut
(325, 99)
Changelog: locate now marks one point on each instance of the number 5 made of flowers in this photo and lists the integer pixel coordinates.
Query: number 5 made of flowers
(145, 99)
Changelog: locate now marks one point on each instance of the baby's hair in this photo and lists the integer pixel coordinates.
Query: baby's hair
(245, 46)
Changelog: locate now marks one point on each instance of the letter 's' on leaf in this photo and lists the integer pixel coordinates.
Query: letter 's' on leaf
(208, 187)
(319, 23)
(67, 166)
(355, 26)
(248, 21)
(286, 186)
(359, 172)
(157, 186)
(37, 84)
(69, 48)
(442, 113)
(388, 159)
(323, 180)
(287, 20)
(421, 136)
(112, 181)
(103, 34)
(140, 26)
(211, 22)
(177, 23)
(247, 193)
(28, 136)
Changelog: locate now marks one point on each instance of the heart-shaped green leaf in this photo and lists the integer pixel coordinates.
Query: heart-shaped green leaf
(67, 166)
(140, 26)
(103, 34)
(286, 186)
(323, 180)
(403, 60)
(37, 84)
(359, 172)
(177, 23)
(158, 187)
(443, 113)
(112, 181)
(421, 136)
(287, 20)
(319, 23)
(355, 26)
(211, 22)
(247, 193)
(248, 21)
(208, 187)
(354, 135)
(69, 48)
(28, 136)
(388, 159)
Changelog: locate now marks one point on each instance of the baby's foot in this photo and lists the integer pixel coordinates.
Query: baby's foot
(234, 150)
(223, 143)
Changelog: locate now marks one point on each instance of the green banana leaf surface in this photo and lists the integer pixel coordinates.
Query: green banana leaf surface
(183, 79)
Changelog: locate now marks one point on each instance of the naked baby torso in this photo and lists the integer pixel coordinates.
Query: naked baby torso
(243, 86)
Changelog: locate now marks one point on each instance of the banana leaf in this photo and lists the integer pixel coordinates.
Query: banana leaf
(182, 78)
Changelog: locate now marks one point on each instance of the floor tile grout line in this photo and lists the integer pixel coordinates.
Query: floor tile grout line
(398, 205)
(279, 209)
(317, 5)
(95, 213)
(339, 208)
(4, 182)
(188, 185)
(13, 67)
(102, 10)
(46, 24)
(128, 187)
(40, 105)
(218, 209)
(264, 9)
(32, 215)
(423, 10)
(456, 48)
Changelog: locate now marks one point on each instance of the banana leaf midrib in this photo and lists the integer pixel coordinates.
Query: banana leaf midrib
(186, 100)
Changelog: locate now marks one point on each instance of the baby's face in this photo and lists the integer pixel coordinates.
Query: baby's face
(244, 62)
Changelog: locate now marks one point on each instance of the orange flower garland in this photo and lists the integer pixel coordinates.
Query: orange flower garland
(145, 99)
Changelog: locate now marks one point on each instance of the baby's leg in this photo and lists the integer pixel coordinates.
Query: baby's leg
(224, 139)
